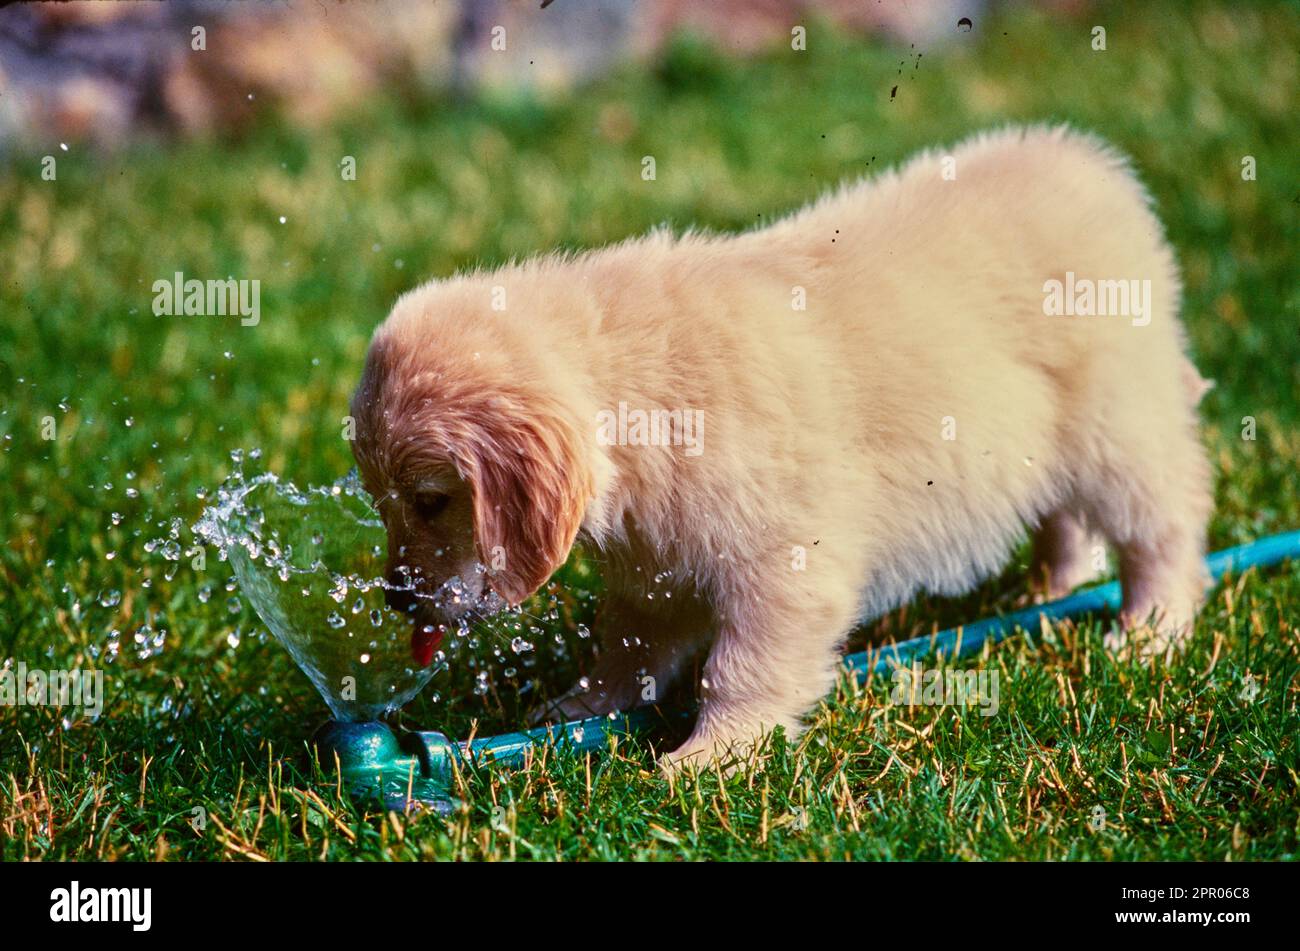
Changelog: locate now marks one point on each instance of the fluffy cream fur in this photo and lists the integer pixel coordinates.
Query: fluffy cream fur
(898, 433)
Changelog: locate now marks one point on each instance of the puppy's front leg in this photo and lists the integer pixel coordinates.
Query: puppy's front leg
(642, 650)
(767, 668)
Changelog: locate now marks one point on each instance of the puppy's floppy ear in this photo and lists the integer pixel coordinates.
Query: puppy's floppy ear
(531, 484)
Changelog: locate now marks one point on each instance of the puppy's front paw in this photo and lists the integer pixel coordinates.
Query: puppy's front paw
(704, 751)
(579, 703)
(561, 710)
(685, 759)
(1163, 632)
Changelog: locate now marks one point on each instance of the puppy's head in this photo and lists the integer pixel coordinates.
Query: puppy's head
(476, 470)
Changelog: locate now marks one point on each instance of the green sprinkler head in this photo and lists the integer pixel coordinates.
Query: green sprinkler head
(391, 769)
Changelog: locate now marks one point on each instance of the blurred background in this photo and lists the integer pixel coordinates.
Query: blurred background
(111, 72)
(214, 139)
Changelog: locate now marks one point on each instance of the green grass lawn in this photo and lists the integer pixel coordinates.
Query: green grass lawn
(1089, 757)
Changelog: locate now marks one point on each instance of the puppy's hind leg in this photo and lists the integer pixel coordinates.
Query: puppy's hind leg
(1152, 500)
(1065, 555)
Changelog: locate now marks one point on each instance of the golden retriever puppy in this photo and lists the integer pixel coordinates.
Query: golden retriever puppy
(770, 436)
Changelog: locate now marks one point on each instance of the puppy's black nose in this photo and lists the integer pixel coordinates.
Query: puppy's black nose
(400, 599)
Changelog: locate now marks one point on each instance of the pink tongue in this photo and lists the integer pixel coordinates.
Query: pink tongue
(423, 644)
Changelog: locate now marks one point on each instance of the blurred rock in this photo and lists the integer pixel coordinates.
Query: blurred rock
(108, 71)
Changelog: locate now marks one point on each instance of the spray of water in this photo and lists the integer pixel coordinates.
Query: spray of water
(311, 563)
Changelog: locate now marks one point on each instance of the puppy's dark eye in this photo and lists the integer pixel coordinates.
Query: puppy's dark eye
(429, 505)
